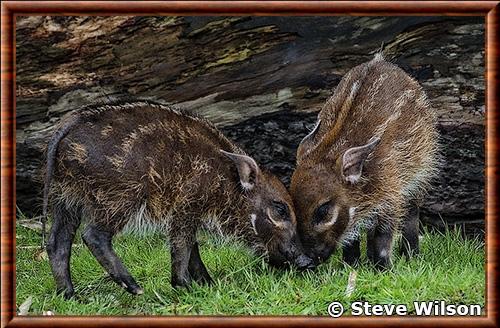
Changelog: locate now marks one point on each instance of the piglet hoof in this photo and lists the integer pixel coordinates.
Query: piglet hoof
(352, 264)
(408, 253)
(351, 261)
(203, 279)
(382, 264)
(206, 280)
(136, 290)
(133, 289)
(178, 283)
(69, 293)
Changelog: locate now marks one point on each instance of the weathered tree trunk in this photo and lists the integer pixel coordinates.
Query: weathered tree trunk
(259, 78)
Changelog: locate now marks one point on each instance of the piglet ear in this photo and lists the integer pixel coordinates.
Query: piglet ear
(354, 158)
(248, 169)
(308, 142)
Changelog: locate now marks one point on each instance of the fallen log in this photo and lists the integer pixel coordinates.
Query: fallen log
(261, 79)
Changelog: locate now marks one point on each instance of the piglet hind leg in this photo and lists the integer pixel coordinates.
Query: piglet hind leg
(379, 246)
(409, 245)
(64, 226)
(99, 241)
(196, 268)
(182, 242)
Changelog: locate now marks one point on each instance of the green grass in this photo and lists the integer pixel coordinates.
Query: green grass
(450, 268)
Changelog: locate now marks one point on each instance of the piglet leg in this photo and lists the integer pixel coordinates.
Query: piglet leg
(196, 268)
(351, 252)
(98, 240)
(379, 246)
(61, 238)
(409, 240)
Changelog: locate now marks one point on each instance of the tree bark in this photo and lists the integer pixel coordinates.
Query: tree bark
(261, 79)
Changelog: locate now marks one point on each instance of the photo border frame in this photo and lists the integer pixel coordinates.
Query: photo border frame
(11, 9)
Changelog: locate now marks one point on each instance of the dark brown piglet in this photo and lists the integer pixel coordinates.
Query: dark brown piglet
(144, 166)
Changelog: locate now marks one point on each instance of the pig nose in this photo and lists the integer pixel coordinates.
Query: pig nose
(304, 262)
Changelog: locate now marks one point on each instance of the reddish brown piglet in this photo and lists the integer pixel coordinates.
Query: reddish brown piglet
(367, 163)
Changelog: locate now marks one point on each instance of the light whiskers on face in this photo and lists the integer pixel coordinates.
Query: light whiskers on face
(246, 185)
(253, 218)
(352, 212)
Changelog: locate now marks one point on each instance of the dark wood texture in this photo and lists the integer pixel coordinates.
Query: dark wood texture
(233, 70)
(268, 8)
(264, 322)
(9, 9)
(492, 167)
(8, 213)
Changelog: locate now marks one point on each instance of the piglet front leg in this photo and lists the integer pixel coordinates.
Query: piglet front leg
(379, 246)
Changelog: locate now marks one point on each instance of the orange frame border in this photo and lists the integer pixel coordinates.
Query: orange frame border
(11, 9)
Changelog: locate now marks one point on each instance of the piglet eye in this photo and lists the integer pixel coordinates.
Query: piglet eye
(281, 209)
(321, 212)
